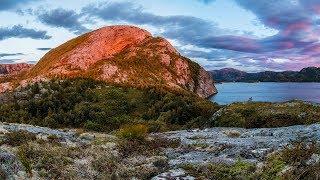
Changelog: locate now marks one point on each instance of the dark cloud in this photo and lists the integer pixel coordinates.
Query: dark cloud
(294, 22)
(31, 62)
(18, 31)
(44, 49)
(202, 33)
(126, 11)
(68, 19)
(187, 29)
(10, 4)
(8, 61)
(10, 54)
(206, 1)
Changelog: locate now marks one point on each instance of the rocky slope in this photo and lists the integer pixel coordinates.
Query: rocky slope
(7, 69)
(124, 55)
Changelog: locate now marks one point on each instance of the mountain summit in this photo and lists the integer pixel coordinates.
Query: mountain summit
(124, 55)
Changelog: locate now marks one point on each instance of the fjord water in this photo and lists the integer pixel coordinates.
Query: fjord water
(266, 92)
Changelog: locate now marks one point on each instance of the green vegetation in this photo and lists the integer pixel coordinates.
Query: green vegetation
(239, 170)
(18, 138)
(309, 74)
(133, 132)
(258, 115)
(93, 105)
(147, 147)
(293, 162)
(111, 158)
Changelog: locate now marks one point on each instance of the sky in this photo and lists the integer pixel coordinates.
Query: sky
(250, 35)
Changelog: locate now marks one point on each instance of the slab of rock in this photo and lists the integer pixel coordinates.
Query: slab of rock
(216, 145)
(175, 174)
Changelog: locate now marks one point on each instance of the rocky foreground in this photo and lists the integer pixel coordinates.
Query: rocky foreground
(44, 153)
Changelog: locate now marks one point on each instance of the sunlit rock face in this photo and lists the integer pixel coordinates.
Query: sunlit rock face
(124, 55)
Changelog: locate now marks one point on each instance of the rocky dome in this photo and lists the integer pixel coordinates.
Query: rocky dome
(124, 55)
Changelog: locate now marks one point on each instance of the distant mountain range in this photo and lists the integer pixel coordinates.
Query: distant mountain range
(309, 74)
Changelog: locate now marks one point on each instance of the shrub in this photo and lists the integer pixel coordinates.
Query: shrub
(133, 132)
(51, 159)
(53, 138)
(3, 174)
(22, 155)
(231, 119)
(93, 126)
(295, 156)
(18, 138)
(268, 115)
(151, 146)
(105, 165)
(239, 170)
(272, 167)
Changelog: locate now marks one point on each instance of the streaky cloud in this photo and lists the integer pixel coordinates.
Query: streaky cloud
(18, 31)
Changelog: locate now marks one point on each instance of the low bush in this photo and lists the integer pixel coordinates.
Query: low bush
(18, 138)
(151, 146)
(239, 170)
(133, 132)
(293, 162)
(268, 115)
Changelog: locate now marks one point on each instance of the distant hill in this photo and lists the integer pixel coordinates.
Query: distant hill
(309, 74)
(122, 55)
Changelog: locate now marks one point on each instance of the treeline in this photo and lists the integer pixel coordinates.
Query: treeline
(94, 105)
(310, 74)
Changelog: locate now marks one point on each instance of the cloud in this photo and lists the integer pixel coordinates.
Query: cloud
(10, 4)
(18, 31)
(59, 17)
(10, 54)
(186, 29)
(206, 1)
(8, 61)
(294, 22)
(44, 49)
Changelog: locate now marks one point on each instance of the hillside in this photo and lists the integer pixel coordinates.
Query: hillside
(10, 69)
(123, 55)
(98, 106)
(309, 74)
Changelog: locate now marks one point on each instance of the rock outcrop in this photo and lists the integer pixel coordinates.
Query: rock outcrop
(124, 55)
(7, 69)
(83, 151)
(227, 145)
